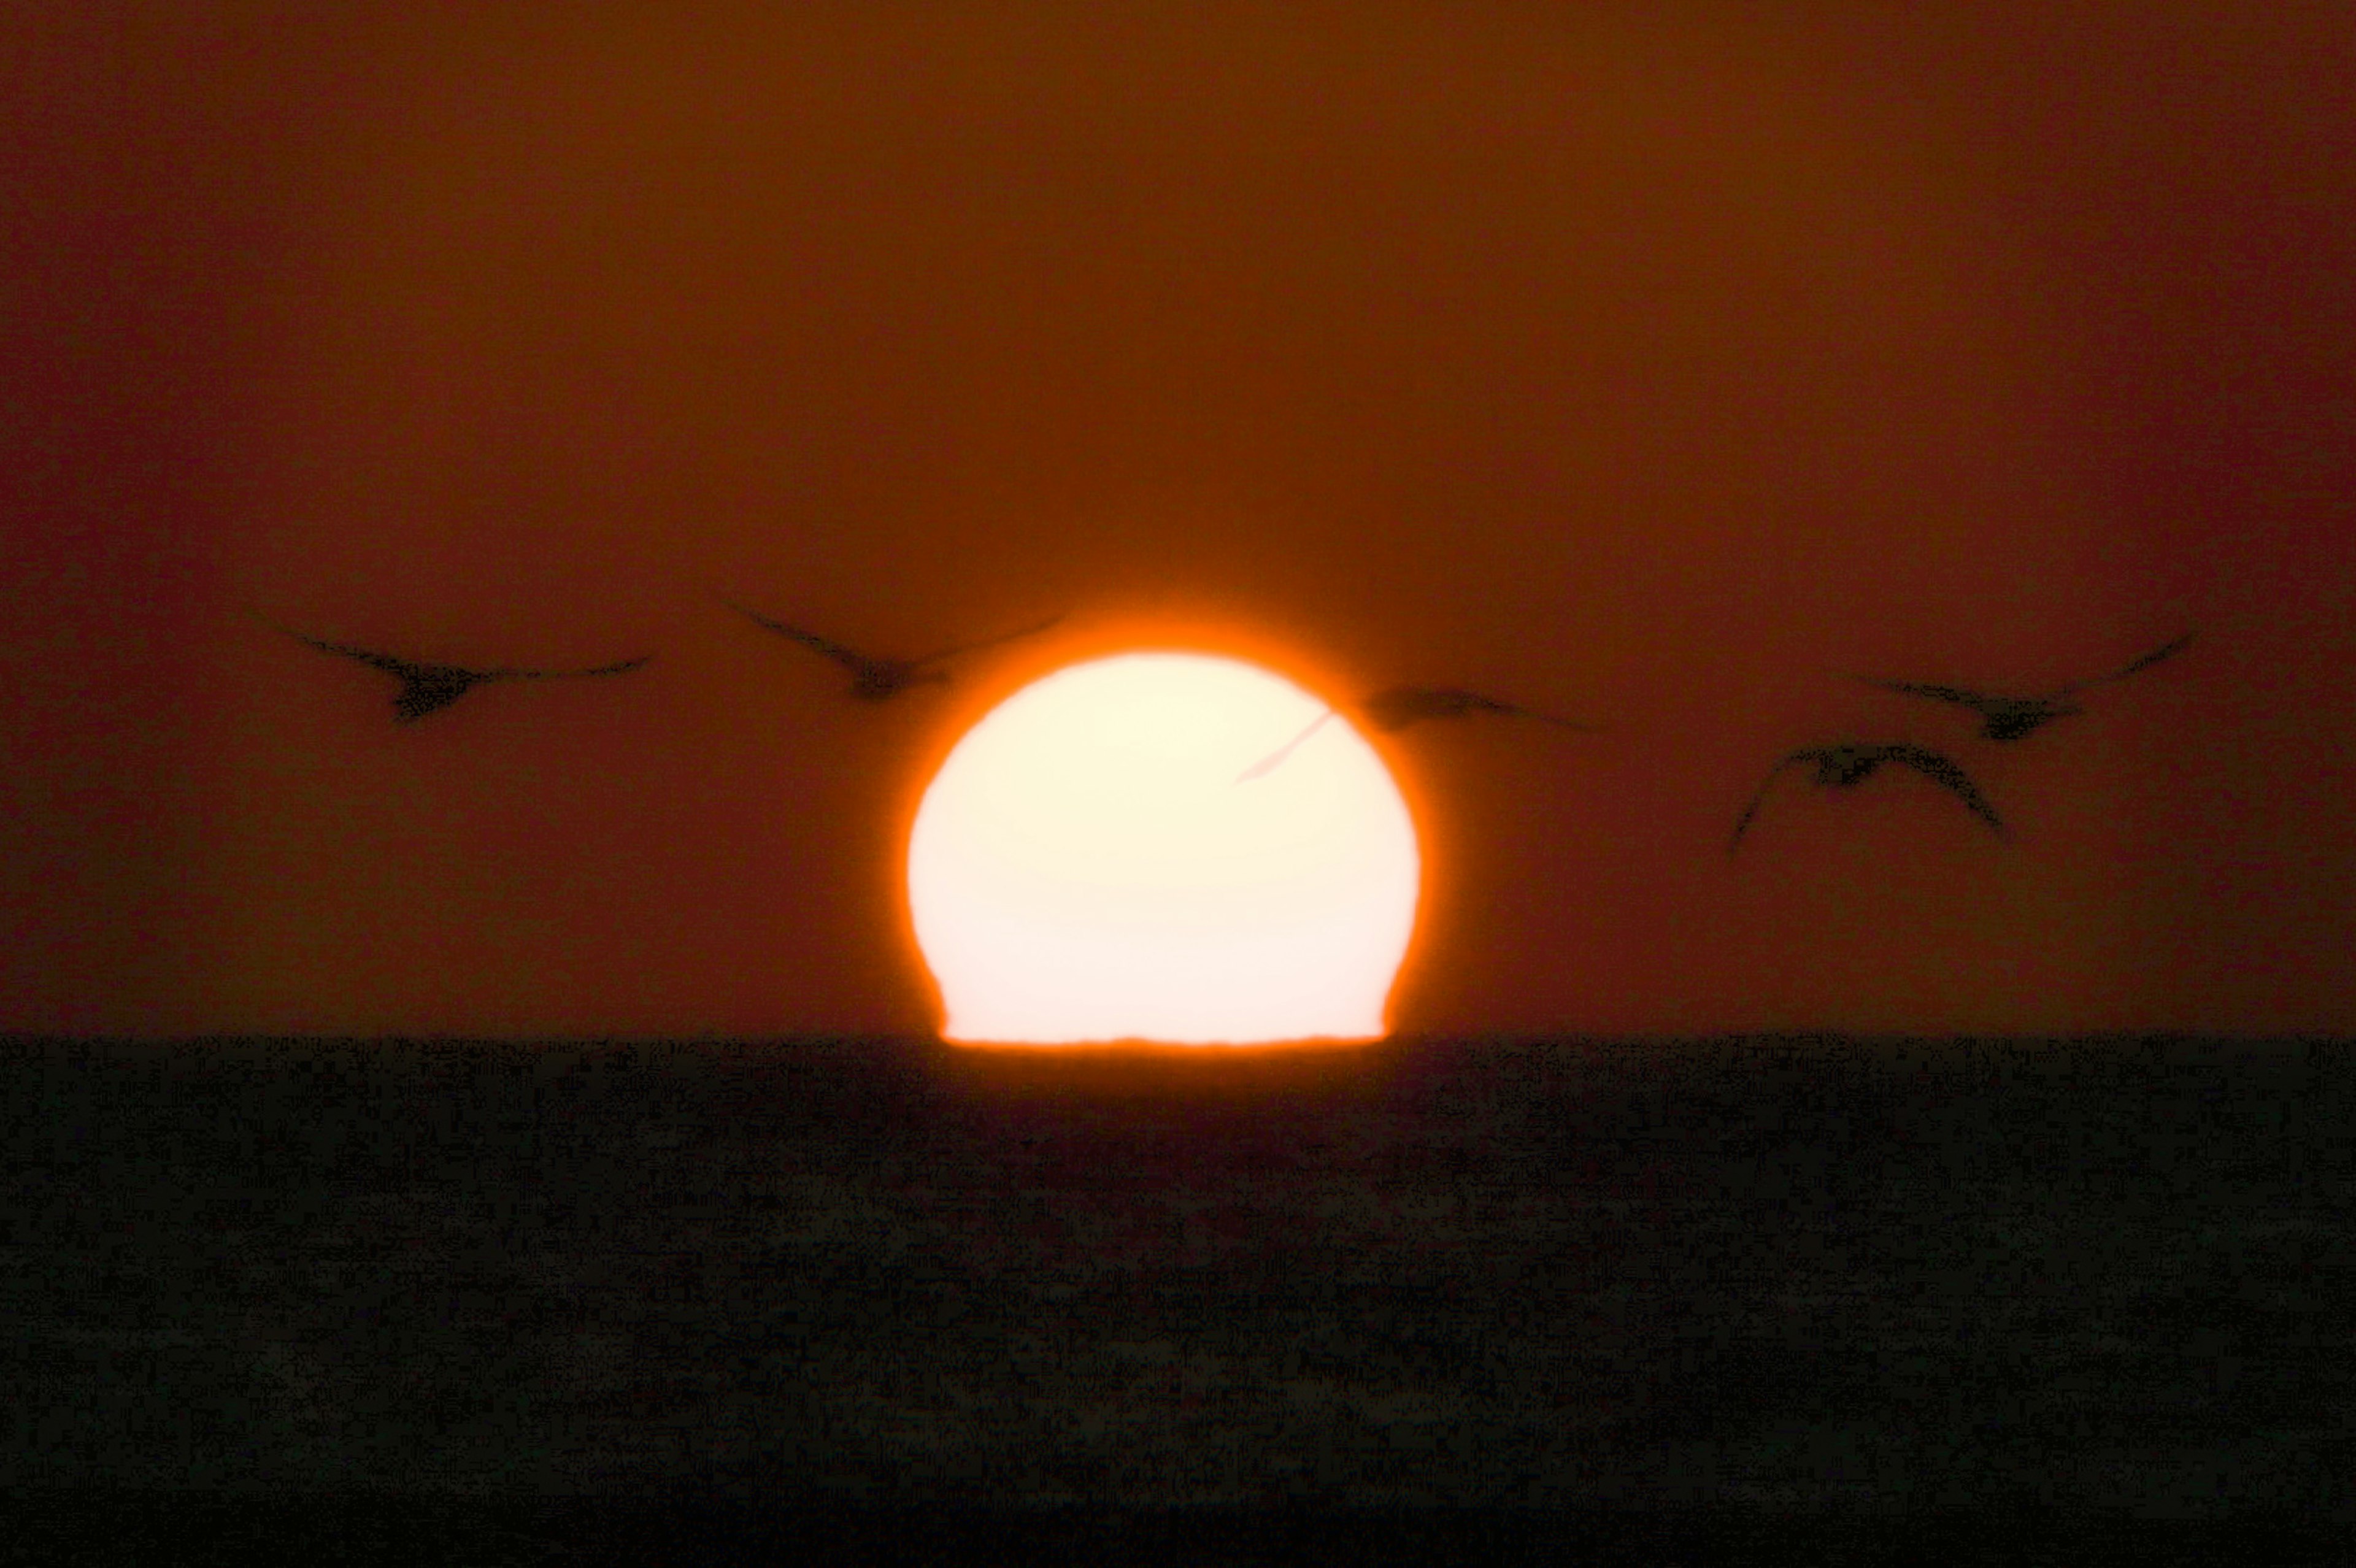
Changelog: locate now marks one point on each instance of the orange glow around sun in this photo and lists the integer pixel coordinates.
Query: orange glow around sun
(1090, 864)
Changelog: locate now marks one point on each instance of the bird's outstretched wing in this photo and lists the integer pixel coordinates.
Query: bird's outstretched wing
(2166, 650)
(388, 662)
(1742, 824)
(934, 658)
(1955, 694)
(1553, 719)
(427, 687)
(1275, 759)
(1941, 769)
(565, 674)
(850, 658)
(1400, 706)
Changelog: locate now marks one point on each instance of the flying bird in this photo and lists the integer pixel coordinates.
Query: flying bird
(2012, 717)
(874, 679)
(1404, 705)
(1846, 766)
(1400, 706)
(427, 687)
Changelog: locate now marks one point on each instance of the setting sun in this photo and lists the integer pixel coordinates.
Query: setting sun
(1090, 864)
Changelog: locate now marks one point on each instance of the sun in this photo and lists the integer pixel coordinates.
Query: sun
(1091, 864)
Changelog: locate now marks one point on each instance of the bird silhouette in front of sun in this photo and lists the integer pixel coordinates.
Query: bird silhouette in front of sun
(874, 679)
(1849, 766)
(428, 687)
(2014, 718)
(1397, 706)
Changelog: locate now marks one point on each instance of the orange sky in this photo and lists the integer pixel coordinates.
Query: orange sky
(1656, 371)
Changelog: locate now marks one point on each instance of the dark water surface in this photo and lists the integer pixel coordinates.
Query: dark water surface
(2110, 1273)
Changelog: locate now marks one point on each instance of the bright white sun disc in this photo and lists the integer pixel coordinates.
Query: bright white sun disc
(1089, 865)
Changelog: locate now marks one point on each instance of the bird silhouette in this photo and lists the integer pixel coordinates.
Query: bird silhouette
(428, 687)
(1400, 705)
(2012, 717)
(1846, 766)
(874, 679)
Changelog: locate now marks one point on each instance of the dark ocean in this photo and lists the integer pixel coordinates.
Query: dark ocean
(495, 1289)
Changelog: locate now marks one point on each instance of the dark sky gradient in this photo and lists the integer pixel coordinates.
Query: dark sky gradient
(1655, 373)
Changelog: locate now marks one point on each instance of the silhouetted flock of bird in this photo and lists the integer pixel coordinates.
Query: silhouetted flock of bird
(427, 687)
